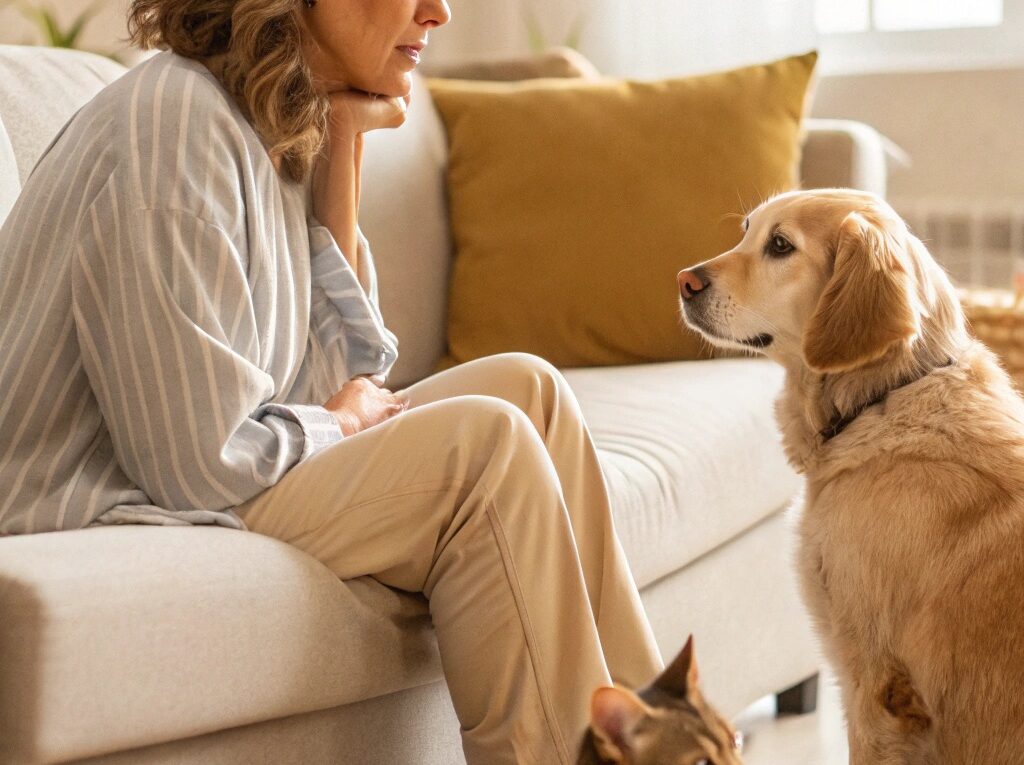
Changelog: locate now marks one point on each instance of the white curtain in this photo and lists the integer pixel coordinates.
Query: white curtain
(633, 38)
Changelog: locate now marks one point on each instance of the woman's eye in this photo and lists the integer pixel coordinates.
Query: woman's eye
(778, 245)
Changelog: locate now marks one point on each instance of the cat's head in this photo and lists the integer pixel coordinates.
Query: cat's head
(667, 723)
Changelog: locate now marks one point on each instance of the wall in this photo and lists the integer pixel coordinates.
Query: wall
(637, 38)
(961, 128)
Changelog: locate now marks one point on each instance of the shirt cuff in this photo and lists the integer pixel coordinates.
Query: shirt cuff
(319, 426)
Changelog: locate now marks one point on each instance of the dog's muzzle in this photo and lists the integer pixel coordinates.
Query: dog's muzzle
(694, 283)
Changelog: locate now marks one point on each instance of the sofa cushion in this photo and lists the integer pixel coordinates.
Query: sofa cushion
(553, 62)
(40, 88)
(119, 637)
(574, 204)
(691, 454)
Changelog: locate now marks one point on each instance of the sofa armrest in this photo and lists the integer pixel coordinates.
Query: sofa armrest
(844, 154)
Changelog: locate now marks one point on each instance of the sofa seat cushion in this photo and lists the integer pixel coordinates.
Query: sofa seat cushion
(119, 637)
(691, 454)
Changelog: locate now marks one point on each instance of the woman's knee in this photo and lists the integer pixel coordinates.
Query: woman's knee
(488, 424)
(519, 363)
(483, 416)
(549, 380)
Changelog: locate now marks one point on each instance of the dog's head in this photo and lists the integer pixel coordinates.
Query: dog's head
(831, 278)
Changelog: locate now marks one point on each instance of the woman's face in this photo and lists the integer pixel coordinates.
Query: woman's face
(371, 45)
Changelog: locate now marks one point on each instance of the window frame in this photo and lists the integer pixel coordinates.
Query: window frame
(995, 47)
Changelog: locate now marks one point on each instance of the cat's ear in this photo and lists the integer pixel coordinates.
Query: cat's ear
(614, 715)
(680, 678)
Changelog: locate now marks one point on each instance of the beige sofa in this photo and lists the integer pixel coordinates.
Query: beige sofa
(206, 645)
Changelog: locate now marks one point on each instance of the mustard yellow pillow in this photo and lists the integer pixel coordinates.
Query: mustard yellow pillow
(575, 203)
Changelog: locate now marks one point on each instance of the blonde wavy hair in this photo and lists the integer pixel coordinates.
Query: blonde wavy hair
(263, 66)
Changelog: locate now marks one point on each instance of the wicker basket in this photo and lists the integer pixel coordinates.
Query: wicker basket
(996, 317)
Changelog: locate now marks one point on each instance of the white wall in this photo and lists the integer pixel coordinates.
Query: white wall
(636, 38)
(962, 129)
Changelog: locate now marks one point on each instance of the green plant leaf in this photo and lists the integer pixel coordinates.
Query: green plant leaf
(79, 24)
(576, 33)
(534, 31)
(49, 26)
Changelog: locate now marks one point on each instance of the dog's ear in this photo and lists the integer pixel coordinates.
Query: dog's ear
(680, 678)
(868, 305)
(614, 715)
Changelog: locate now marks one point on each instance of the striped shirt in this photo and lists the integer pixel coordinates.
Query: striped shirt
(171, 317)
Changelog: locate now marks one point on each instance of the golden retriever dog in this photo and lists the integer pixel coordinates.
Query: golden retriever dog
(911, 441)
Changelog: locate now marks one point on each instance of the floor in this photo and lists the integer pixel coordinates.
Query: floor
(814, 739)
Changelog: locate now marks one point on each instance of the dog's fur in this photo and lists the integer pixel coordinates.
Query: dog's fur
(667, 723)
(912, 523)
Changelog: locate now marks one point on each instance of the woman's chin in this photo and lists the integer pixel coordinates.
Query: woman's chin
(393, 81)
(395, 87)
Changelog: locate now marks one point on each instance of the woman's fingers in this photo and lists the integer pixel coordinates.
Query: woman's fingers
(359, 112)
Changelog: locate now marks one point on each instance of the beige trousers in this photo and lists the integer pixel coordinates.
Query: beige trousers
(485, 495)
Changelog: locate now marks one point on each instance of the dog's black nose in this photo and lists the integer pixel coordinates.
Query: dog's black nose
(692, 282)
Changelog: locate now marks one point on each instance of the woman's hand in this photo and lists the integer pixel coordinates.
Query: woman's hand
(362, 403)
(354, 112)
(336, 173)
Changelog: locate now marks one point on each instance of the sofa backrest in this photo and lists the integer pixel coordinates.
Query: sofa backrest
(40, 88)
(403, 212)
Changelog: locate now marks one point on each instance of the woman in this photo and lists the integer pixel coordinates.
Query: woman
(209, 349)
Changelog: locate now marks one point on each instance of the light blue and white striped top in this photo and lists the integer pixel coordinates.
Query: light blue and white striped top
(171, 318)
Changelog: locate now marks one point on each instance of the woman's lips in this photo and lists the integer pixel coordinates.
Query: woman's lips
(413, 52)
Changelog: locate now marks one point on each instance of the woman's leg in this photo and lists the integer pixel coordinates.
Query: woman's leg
(458, 499)
(541, 392)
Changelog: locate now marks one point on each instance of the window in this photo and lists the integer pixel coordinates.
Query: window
(915, 35)
(832, 16)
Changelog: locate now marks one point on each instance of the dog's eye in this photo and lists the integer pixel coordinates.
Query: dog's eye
(779, 246)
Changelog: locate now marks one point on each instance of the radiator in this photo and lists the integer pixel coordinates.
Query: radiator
(980, 244)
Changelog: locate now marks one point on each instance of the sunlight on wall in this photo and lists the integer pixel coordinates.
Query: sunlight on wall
(638, 38)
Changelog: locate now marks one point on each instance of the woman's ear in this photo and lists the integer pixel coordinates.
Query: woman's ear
(868, 305)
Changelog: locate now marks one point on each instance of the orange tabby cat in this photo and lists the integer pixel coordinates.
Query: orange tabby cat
(666, 723)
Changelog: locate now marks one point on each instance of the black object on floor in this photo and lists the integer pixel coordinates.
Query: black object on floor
(801, 699)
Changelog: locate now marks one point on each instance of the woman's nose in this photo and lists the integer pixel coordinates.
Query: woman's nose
(434, 13)
(692, 282)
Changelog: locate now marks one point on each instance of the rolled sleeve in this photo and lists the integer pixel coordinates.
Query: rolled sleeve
(320, 428)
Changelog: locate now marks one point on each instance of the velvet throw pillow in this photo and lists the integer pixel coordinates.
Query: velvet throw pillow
(574, 204)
